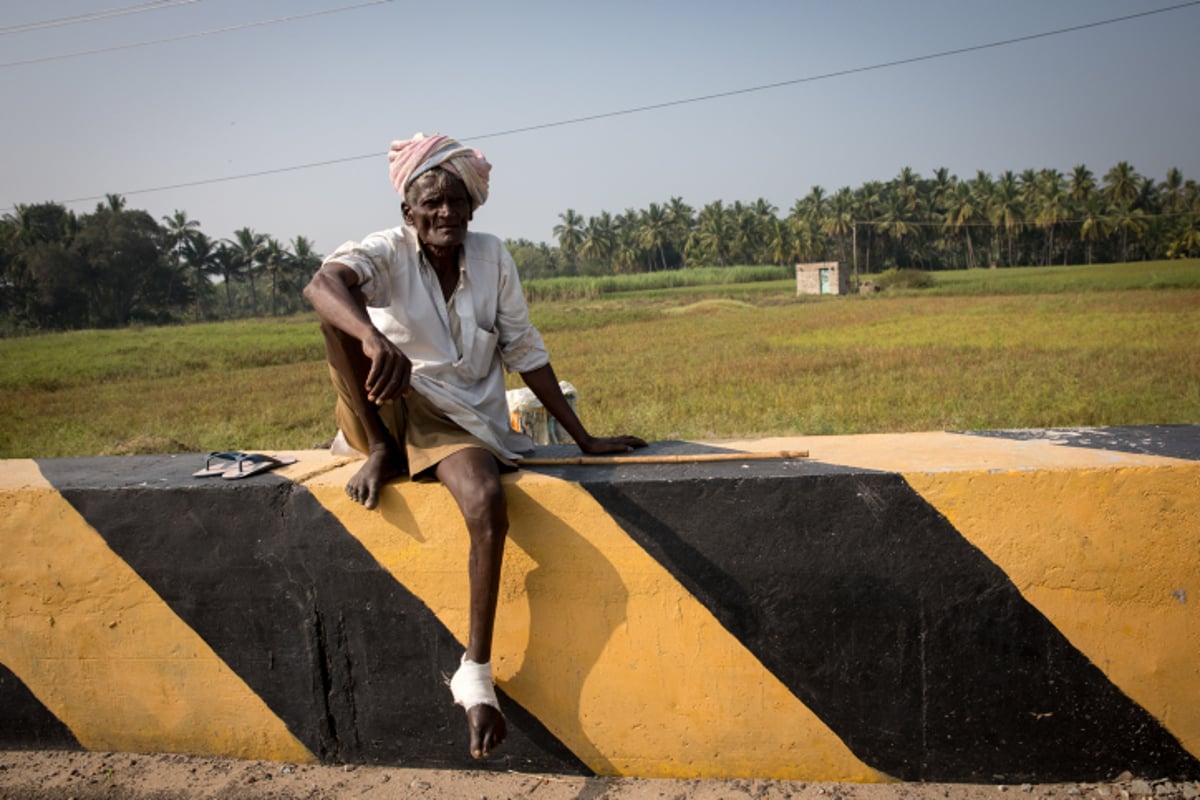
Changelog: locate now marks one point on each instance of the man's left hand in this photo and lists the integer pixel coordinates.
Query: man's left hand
(607, 445)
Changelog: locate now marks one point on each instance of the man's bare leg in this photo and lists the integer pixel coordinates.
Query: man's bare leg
(473, 479)
(385, 457)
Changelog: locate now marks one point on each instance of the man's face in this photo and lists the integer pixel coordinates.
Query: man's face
(439, 208)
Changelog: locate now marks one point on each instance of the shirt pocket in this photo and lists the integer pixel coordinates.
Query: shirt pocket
(479, 351)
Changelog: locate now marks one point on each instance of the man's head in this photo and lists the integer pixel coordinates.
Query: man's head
(438, 206)
(409, 160)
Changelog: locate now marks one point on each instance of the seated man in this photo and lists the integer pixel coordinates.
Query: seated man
(418, 322)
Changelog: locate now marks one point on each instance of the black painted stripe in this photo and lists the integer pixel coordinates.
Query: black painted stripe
(1172, 441)
(904, 638)
(26, 724)
(351, 661)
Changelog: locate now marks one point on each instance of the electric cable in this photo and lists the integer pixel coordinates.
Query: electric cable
(194, 35)
(95, 16)
(638, 109)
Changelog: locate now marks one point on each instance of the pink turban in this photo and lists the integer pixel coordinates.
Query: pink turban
(413, 158)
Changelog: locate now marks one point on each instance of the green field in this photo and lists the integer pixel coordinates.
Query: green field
(1007, 348)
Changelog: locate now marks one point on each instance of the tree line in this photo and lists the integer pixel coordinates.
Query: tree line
(118, 266)
(1036, 217)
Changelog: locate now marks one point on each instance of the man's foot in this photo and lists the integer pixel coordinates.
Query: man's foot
(383, 464)
(488, 729)
(472, 689)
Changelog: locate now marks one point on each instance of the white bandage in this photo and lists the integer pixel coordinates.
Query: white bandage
(472, 685)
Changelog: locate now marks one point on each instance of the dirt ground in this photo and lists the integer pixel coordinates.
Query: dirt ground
(91, 776)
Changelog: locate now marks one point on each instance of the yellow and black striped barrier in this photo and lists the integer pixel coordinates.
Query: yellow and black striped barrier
(1005, 607)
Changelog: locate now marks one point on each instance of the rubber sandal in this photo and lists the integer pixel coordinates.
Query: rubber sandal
(218, 463)
(254, 463)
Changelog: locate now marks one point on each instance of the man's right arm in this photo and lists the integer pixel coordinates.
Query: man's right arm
(339, 302)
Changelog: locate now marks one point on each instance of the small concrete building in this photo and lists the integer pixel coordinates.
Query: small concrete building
(822, 277)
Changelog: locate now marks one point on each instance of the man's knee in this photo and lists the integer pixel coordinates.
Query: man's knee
(485, 508)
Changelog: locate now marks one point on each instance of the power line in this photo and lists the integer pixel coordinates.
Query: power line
(193, 35)
(636, 109)
(153, 5)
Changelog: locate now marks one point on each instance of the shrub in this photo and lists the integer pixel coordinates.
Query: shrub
(905, 279)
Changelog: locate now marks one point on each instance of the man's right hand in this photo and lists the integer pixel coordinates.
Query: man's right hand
(390, 370)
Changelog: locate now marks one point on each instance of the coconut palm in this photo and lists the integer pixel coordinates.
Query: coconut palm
(1094, 223)
(1005, 210)
(1052, 206)
(867, 201)
(962, 212)
(570, 235)
(247, 251)
(713, 234)
(839, 219)
(199, 257)
(682, 220)
(1121, 184)
(275, 262)
(599, 239)
(653, 231)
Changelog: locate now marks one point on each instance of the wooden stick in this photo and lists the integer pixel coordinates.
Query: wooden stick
(694, 458)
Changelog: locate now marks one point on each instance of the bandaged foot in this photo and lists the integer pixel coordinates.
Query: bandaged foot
(473, 689)
(472, 685)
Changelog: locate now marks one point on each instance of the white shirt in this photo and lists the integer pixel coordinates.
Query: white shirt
(457, 348)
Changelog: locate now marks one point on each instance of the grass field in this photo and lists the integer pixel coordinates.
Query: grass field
(1037, 347)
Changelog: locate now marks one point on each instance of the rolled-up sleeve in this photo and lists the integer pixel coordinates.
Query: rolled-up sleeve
(367, 258)
(521, 345)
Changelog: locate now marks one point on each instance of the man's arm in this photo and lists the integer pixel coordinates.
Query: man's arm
(335, 295)
(544, 384)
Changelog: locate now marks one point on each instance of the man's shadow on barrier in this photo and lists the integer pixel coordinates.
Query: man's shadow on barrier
(577, 600)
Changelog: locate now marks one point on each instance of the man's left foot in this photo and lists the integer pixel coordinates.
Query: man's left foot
(473, 689)
(488, 730)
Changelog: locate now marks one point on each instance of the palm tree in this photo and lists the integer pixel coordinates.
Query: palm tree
(1005, 209)
(867, 201)
(599, 239)
(247, 250)
(227, 265)
(682, 221)
(780, 244)
(1052, 206)
(179, 230)
(199, 255)
(1126, 219)
(1172, 192)
(1121, 184)
(713, 234)
(814, 204)
(1186, 243)
(1094, 224)
(303, 261)
(653, 230)
(276, 262)
(839, 219)
(570, 235)
(895, 223)
(627, 252)
(962, 211)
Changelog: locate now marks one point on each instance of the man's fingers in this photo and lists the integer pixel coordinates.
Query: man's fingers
(392, 381)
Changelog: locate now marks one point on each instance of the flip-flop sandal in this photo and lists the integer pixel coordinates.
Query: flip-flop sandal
(254, 463)
(218, 463)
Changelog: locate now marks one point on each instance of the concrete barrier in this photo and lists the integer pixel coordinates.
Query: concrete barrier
(1002, 607)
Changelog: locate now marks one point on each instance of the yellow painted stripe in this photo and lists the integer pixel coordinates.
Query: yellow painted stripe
(599, 641)
(103, 652)
(1110, 556)
(946, 452)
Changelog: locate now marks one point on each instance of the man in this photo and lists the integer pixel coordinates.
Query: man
(418, 322)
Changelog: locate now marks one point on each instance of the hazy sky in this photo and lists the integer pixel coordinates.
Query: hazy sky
(341, 86)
